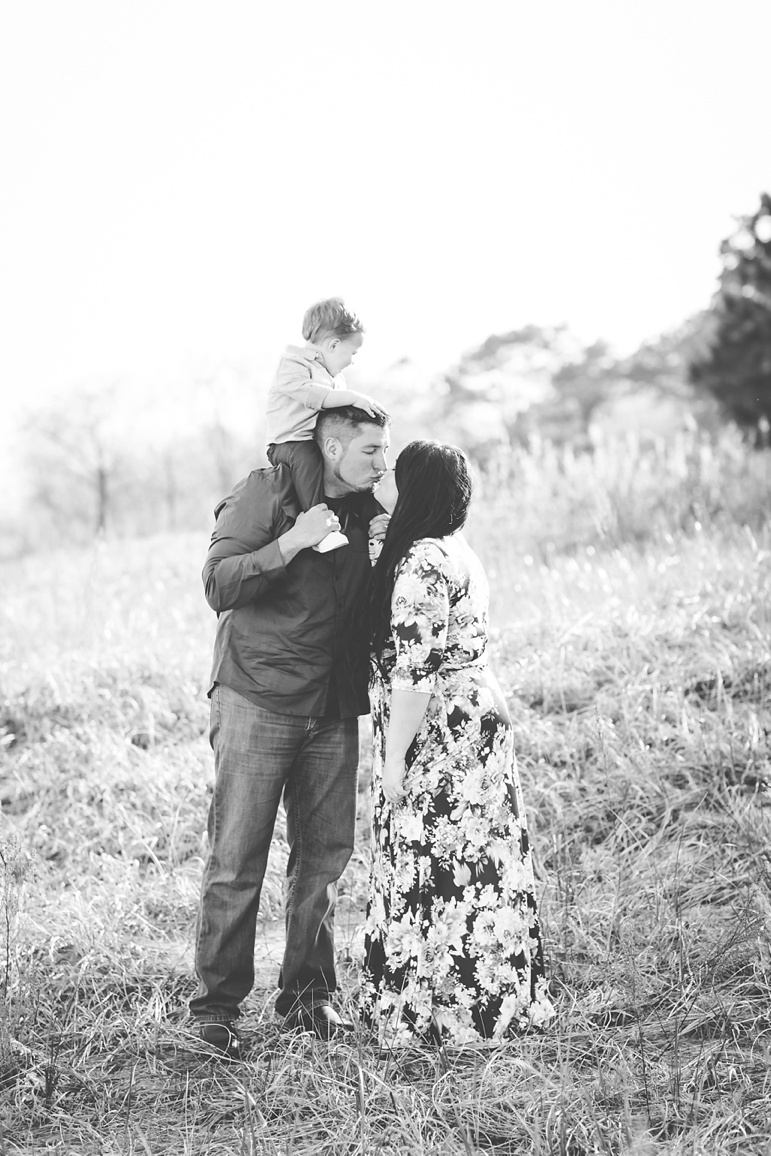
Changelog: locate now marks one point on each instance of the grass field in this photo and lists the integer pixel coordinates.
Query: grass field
(640, 684)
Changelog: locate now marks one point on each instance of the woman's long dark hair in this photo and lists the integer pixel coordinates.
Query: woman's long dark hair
(434, 484)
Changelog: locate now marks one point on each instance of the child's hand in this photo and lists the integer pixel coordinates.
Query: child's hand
(361, 401)
(339, 397)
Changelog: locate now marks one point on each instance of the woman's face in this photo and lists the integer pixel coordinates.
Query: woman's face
(387, 491)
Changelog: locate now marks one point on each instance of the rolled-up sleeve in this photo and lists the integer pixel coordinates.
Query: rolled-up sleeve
(294, 380)
(420, 609)
(244, 558)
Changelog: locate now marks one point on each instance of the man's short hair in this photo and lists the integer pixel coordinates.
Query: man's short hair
(330, 318)
(343, 422)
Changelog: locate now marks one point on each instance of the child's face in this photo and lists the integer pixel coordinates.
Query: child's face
(339, 352)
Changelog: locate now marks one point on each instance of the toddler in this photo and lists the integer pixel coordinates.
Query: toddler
(309, 378)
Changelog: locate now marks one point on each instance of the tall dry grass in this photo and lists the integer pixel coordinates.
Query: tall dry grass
(548, 500)
(639, 682)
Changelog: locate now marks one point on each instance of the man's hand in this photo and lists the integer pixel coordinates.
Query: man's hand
(314, 524)
(309, 529)
(394, 770)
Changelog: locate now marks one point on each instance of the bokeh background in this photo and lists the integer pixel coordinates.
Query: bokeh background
(554, 220)
(524, 203)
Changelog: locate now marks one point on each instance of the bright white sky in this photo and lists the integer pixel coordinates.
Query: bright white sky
(180, 179)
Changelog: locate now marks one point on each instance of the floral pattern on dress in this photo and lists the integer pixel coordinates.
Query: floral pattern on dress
(451, 933)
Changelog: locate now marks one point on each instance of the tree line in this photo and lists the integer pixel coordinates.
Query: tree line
(97, 463)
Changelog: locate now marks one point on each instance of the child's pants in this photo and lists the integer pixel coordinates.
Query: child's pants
(307, 465)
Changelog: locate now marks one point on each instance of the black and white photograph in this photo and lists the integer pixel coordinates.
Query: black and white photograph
(385, 578)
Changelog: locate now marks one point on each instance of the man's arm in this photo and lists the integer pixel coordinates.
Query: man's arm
(246, 557)
(234, 574)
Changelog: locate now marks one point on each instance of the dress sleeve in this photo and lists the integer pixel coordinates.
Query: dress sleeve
(420, 609)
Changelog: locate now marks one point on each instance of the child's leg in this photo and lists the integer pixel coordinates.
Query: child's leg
(307, 465)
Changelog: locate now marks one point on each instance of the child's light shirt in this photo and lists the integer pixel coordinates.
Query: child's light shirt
(297, 394)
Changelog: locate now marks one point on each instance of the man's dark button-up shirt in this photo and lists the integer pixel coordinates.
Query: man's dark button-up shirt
(285, 632)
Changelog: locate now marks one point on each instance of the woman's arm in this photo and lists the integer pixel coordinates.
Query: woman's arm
(408, 709)
(419, 619)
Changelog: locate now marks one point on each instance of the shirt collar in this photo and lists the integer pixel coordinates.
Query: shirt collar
(309, 351)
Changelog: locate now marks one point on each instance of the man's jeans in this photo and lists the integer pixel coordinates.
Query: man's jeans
(257, 755)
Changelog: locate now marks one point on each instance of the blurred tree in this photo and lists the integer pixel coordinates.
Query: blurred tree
(230, 408)
(532, 381)
(123, 459)
(737, 368)
(490, 395)
(662, 367)
(412, 395)
(77, 453)
(663, 361)
(581, 386)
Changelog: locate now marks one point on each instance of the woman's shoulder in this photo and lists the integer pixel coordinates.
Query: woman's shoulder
(447, 555)
(427, 548)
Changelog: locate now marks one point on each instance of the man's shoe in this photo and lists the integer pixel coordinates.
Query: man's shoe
(222, 1038)
(321, 1019)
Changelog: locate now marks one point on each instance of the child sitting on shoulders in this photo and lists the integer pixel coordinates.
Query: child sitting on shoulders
(309, 378)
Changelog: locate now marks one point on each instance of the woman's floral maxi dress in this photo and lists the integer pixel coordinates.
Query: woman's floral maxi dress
(451, 933)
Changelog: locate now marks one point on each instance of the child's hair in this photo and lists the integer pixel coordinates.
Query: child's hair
(330, 317)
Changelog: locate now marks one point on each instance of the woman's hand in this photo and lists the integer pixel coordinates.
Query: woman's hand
(378, 527)
(408, 708)
(377, 532)
(394, 770)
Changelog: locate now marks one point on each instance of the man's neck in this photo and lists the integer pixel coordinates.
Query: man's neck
(338, 495)
(334, 488)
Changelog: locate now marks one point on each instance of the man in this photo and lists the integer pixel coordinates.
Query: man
(288, 684)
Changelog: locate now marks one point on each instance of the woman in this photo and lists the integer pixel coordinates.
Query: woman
(452, 942)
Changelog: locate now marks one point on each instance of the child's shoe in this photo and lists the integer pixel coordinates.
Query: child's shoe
(333, 541)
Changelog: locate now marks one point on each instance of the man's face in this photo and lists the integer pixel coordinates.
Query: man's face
(359, 466)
